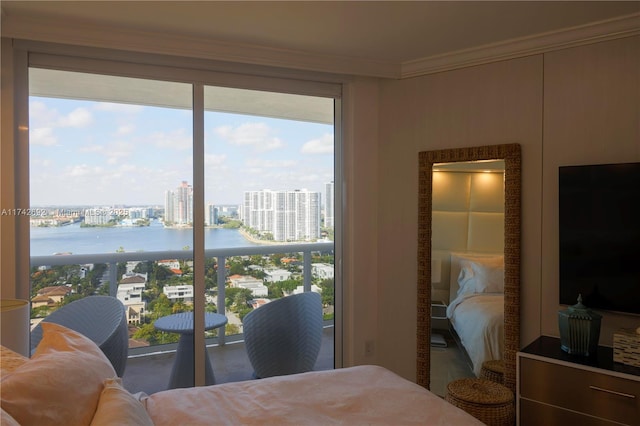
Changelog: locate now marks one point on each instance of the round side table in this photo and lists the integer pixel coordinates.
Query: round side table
(183, 370)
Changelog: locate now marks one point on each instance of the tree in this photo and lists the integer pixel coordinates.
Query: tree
(236, 269)
(328, 292)
(279, 288)
(162, 273)
(231, 329)
(277, 259)
(144, 267)
(237, 298)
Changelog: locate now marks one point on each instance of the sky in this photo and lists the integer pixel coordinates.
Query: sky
(99, 153)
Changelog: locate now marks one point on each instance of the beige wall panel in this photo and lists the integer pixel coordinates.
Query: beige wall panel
(7, 194)
(490, 104)
(486, 232)
(487, 192)
(591, 116)
(451, 191)
(360, 240)
(449, 230)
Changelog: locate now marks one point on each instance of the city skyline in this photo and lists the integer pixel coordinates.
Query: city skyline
(98, 153)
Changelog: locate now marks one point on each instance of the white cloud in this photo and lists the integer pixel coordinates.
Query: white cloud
(271, 164)
(211, 160)
(125, 129)
(91, 148)
(256, 135)
(79, 117)
(82, 170)
(178, 139)
(40, 115)
(40, 163)
(42, 136)
(322, 145)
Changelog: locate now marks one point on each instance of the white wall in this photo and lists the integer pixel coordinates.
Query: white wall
(571, 106)
(591, 116)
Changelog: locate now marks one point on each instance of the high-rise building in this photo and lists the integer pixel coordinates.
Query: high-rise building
(178, 205)
(211, 215)
(287, 215)
(329, 218)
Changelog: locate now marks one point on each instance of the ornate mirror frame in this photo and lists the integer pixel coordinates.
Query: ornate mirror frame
(511, 155)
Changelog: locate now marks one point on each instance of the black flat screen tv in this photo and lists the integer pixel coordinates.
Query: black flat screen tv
(599, 210)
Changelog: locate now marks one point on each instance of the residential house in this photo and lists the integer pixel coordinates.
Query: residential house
(257, 287)
(130, 289)
(172, 264)
(50, 296)
(275, 275)
(183, 293)
(323, 271)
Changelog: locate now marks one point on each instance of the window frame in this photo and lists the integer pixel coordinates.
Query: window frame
(198, 73)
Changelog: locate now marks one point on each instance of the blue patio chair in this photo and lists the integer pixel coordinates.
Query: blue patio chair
(284, 336)
(100, 318)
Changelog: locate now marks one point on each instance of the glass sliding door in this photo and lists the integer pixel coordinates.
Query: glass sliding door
(183, 200)
(269, 159)
(111, 173)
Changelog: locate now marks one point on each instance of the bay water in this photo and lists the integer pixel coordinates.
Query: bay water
(46, 241)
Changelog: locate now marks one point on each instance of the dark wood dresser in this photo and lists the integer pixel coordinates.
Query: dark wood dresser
(555, 388)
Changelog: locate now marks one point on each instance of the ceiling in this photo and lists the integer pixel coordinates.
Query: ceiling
(389, 32)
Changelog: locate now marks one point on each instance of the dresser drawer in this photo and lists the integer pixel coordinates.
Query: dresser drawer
(588, 392)
(536, 414)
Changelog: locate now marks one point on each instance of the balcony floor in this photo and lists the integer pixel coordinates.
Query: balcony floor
(150, 373)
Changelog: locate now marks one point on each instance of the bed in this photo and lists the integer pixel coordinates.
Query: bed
(476, 307)
(70, 381)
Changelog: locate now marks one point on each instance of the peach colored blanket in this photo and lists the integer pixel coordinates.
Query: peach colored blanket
(364, 395)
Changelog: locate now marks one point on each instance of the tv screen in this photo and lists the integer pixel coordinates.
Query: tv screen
(600, 236)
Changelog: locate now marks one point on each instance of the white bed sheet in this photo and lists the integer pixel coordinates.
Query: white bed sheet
(478, 319)
(363, 395)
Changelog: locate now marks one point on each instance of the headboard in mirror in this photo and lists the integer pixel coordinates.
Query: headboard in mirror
(510, 153)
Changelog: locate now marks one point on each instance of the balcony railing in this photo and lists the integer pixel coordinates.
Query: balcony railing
(221, 254)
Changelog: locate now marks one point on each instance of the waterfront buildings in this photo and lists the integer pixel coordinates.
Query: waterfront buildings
(178, 205)
(286, 215)
(329, 218)
(211, 215)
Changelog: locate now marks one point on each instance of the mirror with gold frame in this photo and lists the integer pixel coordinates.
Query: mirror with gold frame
(510, 153)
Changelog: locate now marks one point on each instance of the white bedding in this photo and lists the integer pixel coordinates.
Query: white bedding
(478, 319)
(363, 395)
(69, 381)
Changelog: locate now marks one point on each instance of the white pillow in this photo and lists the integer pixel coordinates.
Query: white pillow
(61, 384)
(488, 278)
(466, 280)
(117, 406)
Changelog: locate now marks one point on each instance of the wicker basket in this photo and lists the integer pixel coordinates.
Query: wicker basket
(493, 370)
(487, 401)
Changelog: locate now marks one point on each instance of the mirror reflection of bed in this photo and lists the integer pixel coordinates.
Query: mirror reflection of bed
(467, 269)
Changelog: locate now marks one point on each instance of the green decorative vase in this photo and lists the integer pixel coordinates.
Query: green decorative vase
(579, 329)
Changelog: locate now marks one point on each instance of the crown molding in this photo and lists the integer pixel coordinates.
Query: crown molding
(625, 26)
(111, 37)
(84, 34)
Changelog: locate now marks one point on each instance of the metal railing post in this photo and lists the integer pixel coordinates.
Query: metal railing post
(113, 279)
(222, 279)
(307, 270)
